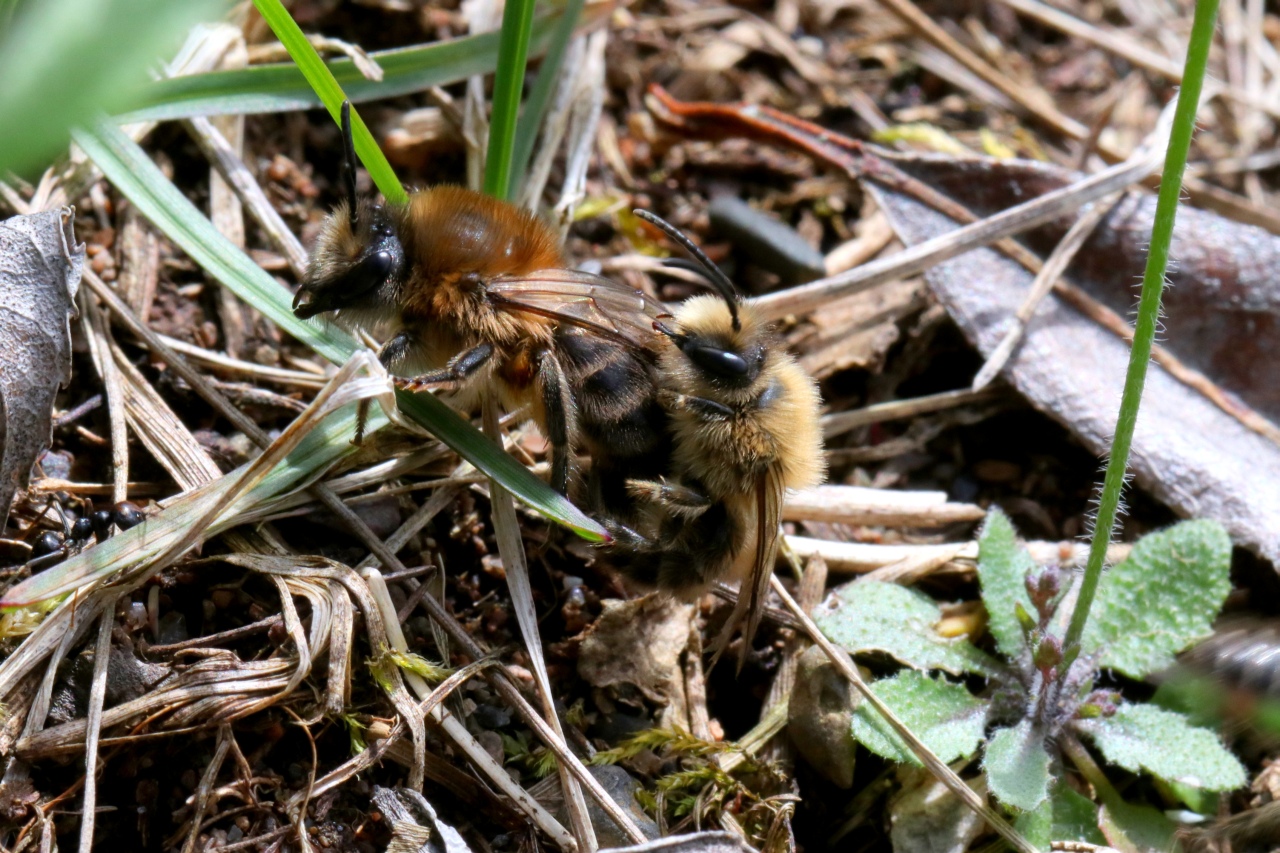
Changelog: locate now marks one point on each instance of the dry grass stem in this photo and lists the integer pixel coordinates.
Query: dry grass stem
(941, 771)
(877, 507)
(1045, 279)
(839, 423)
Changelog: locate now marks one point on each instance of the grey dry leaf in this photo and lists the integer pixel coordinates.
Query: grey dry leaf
(40, 267)
(1187, 451)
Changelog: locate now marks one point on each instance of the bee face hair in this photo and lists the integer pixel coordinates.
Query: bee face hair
(723, 348)
(358, 262)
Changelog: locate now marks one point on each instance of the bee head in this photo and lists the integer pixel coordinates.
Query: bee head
(724, 351)
(358, 259)
(711, 333)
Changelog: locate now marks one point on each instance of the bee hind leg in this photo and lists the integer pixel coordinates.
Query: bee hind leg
(559, 417)
(680, 499)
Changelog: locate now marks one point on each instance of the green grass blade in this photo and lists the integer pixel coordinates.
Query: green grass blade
(322, 81)
(280, 87)
(1144, 330)
(535, 106)
(508, 85)
(62, 61)
(129, 168)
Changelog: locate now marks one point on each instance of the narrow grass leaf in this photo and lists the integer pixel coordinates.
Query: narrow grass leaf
(63, 60)
(535, 106)
(281, 87)
(508, 85)
(127, 166)
(331, 95)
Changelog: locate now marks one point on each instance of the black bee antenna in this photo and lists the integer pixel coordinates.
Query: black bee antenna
(349, 154)
(703, 266)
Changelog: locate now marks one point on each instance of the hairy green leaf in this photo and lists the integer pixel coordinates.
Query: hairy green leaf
(1064, 816)
(1017, 766)
(1144, 737)
(867, 616)
(945, 716)
(1136, 829)
(1003, 566)
(1160, 600)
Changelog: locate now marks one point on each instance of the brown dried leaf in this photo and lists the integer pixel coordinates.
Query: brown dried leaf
(637, 642)
(40, 266)
(1187, 451)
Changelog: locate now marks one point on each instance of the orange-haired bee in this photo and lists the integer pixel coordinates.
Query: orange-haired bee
(744, 428)
(470, 293)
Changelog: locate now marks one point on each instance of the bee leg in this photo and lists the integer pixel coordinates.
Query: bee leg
(680, 499)
(395, 349)
(559, 415)
(459, 369)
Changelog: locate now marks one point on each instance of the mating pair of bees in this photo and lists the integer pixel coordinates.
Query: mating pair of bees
(696, 420)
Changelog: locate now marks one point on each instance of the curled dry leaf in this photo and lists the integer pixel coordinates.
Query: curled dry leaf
(40, 266)
(637, 642)
(1189, 452)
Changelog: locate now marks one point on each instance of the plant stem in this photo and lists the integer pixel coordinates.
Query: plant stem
(508, 84)
(1148, 308)
(535, 107)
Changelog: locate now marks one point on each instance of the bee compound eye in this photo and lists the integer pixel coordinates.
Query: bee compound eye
(46, 543)
(379, 264)
(82, 529)
(128, 515)
(719, 362)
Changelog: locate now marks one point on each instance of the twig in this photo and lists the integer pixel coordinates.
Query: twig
(841, 422)
(457, 732)
(922, 256)
(878, 507)
(93, 723)
(1053, 268)
(232, 169)
(506, 529)
(205, 789)
(859, 557)
(940, 770)
(100, 348)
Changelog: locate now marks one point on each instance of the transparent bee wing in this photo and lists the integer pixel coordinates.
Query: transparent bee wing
(582, 299)
(749, 609)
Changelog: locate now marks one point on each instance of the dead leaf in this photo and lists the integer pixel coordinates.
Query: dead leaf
(1222, 306)
(40, 266)
(1187, 451)
(637, 642)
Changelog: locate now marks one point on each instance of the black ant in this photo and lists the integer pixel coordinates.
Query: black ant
(98, 524)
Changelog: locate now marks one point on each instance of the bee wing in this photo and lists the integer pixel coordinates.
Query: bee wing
(581, 299)
(749, 609)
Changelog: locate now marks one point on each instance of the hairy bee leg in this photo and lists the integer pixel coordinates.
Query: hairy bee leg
(558, 406)
(395, 349)
(680, 499)
(461, 367)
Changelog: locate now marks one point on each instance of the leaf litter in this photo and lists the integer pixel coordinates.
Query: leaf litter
(876, 348)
